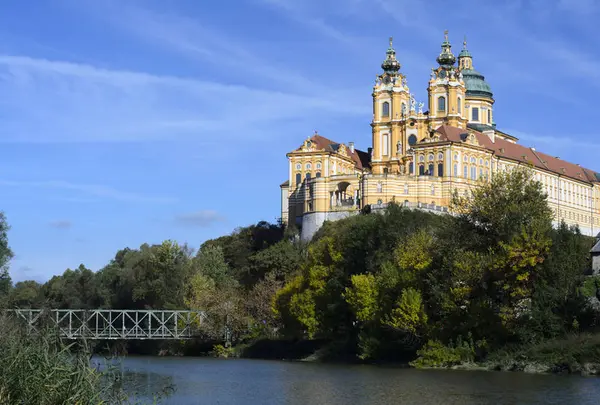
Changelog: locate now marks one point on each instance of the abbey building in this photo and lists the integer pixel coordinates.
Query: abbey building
(420, 157)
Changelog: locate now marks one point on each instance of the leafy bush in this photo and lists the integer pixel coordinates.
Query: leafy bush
(436, 354)
(222, 351)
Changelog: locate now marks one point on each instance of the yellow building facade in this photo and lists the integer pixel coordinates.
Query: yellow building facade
(419, 157)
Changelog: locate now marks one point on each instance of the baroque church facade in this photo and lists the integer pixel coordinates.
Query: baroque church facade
(420, 158)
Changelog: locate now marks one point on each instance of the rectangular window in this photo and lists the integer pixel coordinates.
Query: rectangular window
(475, 114)
(385, 145)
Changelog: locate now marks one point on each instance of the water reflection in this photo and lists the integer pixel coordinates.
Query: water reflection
(233, 382)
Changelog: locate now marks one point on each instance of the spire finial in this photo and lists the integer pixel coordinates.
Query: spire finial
(465, 43)
(391, 42)
(446, 35)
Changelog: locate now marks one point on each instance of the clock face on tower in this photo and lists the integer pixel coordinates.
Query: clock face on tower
(386, 80)
(443, 74)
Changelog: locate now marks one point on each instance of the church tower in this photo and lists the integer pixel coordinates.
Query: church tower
(393, 105)
(479, 97)
(447, 90)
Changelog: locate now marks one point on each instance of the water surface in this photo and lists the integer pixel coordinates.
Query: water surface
(249, 382)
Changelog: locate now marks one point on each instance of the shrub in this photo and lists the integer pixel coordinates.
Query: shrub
(436, 354)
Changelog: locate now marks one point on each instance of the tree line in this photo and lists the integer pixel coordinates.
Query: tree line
(400, 284)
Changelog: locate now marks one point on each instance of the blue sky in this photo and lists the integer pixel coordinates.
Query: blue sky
(124, 122)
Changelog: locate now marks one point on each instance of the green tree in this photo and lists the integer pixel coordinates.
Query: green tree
(362, 297)
(5, 255)
(26, 294)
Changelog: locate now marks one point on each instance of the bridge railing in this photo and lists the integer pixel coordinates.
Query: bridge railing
(110, 324)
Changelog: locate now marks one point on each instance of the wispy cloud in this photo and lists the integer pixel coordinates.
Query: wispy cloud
(61, 224)
(202, 219)
(89, 189)
(195, 39)
(77, 102)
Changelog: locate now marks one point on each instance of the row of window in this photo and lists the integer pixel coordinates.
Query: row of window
(307, 177)
(406, 188)
(308, 166)
(441, 107)
(576, 216)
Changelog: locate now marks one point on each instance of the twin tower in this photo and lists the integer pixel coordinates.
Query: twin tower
(458, 96)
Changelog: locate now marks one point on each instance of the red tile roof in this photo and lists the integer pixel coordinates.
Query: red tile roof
(361, 159)
(520, 153)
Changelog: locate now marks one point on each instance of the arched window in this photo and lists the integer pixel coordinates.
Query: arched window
(298, 166)
(455, 170)
(473, 173)
(421, 158)
(459, 105)
(465, 172)
(475, 114)
(430, 158)
(412, 140)
(319, 166)
(456, 156)
(440, 156)
(421, 170)
(308, 166)
(411, 168)
(481, 161)
(430, 169)
(440, 170)
(385, 109)
(441, 103)
(318, 174)
(298, 178)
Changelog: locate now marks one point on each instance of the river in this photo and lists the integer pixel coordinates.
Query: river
(257, 382)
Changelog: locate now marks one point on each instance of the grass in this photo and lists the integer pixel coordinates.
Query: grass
(42, 369)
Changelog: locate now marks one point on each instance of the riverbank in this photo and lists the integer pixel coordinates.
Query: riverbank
(577, 354)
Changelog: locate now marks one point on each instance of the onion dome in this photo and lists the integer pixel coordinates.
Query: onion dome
(391, 64)
(446, 58)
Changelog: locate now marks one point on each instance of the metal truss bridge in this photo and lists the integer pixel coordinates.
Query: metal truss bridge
(113, 324)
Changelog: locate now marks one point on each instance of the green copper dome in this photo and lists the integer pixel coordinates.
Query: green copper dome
(464, 54)
(476, 84)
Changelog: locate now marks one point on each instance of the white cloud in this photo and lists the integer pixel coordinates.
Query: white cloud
(202, 219)
(89, 189)
(194, 39)
(66, 101)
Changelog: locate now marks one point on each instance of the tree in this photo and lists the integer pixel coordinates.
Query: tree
(160, 274)
(5, 256)
(493, 250)
(26, 294)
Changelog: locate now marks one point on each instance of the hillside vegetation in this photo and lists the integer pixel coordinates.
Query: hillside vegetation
(494, 281)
